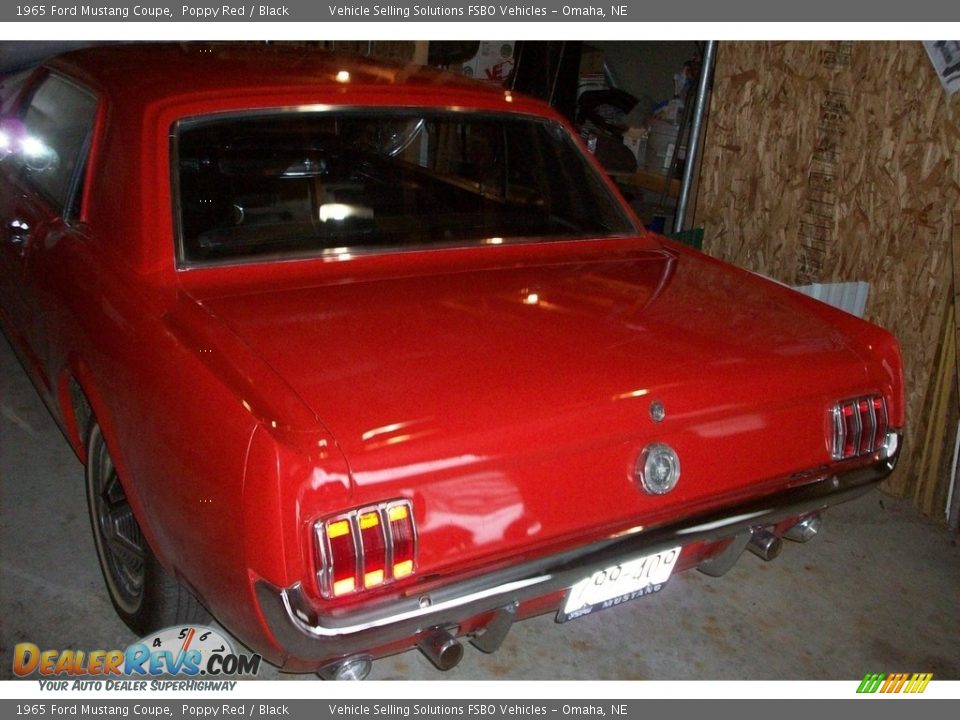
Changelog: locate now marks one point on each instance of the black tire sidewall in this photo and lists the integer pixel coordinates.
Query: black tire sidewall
(163, 600)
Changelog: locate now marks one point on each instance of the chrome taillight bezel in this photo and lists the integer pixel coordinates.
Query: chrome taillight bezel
(325, 556)
(859, 427)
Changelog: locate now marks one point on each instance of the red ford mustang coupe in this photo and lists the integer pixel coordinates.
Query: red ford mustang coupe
(364, 357)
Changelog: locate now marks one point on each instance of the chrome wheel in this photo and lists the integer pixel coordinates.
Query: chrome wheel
(119, 540)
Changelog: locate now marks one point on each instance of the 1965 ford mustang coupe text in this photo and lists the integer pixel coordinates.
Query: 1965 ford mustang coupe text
(364, 357)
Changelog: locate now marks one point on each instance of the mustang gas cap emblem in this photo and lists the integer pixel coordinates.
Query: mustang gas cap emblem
(657, 411)
(658, 469)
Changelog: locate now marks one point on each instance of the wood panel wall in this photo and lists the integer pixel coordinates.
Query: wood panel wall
(840, 161)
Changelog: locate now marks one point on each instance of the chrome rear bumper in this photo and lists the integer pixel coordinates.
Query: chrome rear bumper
(306, 634)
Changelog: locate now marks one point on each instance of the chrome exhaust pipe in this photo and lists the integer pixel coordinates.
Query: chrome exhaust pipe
(352, 668)
(764, 544)
(442, 649)
(805, 529)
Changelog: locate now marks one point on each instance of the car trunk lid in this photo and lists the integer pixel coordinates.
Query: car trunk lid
(511, 403)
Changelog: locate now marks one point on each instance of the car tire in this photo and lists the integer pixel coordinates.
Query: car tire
(146, 597)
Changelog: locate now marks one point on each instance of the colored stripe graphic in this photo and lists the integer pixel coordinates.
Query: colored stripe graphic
(871, 682)
(894, 683)
(898, 680)
(919, 682)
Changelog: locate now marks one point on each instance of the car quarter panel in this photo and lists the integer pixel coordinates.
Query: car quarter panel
(877, 347)
(178, 432)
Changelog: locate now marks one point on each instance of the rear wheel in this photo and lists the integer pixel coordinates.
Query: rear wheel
(145, 596)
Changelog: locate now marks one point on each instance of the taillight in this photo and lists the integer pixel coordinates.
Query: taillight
(859, 427)
(366, 548)
(342, 551)
(401, 530)
(374, 545)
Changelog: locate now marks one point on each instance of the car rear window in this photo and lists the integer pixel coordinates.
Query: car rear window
(311, 183)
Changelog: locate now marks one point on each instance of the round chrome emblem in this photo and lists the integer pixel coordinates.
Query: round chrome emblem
(658, 469)
(657, 411)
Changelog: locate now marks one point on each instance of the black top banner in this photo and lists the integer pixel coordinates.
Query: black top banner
(577, 11)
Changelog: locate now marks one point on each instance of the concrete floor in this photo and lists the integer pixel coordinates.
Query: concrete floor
(877, 591)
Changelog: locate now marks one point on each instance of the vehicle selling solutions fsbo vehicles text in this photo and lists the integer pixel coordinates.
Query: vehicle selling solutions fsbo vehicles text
(515, 11)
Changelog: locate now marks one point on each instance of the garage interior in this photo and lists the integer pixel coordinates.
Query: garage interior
(819, 162)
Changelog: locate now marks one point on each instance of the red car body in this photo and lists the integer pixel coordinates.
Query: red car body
(506, 391)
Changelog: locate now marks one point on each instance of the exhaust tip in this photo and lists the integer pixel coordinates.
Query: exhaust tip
(442, 649)
(354, 668)
(764, 544)
(805, 530)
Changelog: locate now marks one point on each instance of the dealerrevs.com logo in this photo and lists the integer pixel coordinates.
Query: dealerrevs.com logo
(180, 652)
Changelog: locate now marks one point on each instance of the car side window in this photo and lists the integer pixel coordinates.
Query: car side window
(10, 86)
(57, 123)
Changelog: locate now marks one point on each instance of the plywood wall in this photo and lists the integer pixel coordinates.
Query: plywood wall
(836, 161)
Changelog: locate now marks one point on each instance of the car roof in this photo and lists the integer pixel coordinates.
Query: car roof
(157, 72)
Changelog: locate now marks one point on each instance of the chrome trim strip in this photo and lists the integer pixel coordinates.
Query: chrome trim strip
(872, 427)
(307, 635)
(857, 427)
(294, 598)
(890, 447)
(839, 433)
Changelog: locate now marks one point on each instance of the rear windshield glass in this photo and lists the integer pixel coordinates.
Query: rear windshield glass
(310, 183)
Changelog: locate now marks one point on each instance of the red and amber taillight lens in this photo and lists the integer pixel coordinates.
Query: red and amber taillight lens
(366, 548)
(859, 427)
(401, 530)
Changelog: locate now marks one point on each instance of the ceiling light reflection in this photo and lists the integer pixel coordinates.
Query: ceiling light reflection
(639, 392)
(32, 146)
(339, 212)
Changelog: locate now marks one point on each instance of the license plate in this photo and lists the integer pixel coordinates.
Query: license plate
(618, 584)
